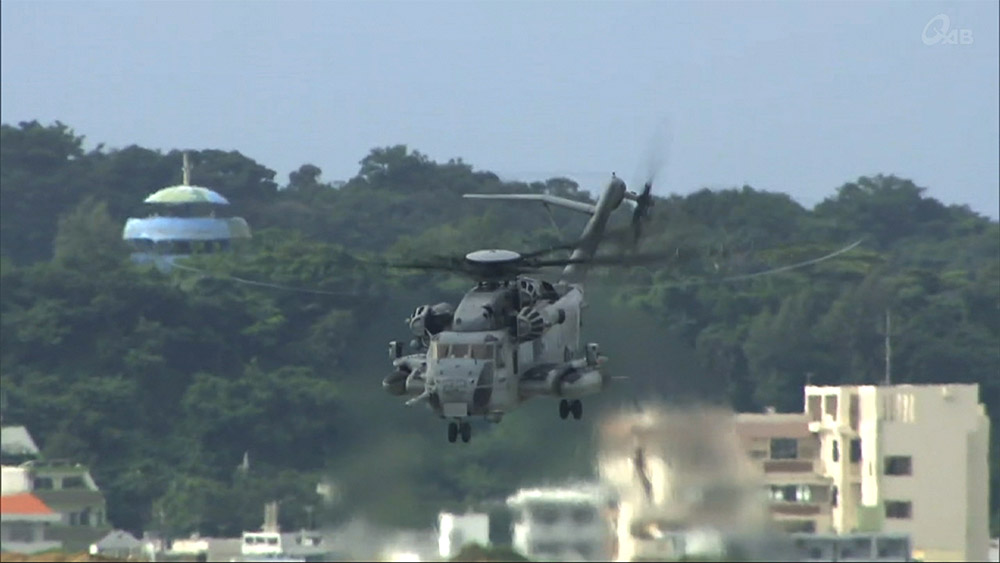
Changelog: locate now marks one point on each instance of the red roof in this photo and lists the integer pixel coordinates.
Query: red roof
(23, 504)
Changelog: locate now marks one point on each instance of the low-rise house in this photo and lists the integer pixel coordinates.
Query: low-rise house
(874, 547)
(118, 544)
(563, 524)
(25, 523)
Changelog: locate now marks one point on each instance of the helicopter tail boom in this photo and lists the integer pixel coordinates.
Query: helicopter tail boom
(586, 247)
(612, 197)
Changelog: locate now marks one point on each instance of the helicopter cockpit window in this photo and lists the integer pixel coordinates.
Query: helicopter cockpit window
(482, 352)
(439, 350)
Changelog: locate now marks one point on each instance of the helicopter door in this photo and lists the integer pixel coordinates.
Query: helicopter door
(484, 386)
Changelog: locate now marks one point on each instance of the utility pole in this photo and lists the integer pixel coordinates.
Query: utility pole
(888, 348)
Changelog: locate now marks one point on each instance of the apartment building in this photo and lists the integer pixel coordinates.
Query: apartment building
(786, 455)
(909, 459)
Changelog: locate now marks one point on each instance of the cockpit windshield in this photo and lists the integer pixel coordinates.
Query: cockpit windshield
(442, 350)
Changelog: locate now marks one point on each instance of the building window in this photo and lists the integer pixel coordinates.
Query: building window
(784, 493)
(834, 496)
(815, 408)
(545, 515)
(784, 448)
(74, 483)
(20, 532)
(831, 406)
(895, 548)
(855, 549)
(804, 493)
(856, 450)
(583, 515)
(836, 450)
(898, 465)
(898, 509)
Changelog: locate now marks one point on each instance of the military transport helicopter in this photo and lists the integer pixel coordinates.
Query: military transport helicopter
(512, 337)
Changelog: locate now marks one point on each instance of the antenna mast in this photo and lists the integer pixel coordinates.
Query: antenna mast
(187, 170)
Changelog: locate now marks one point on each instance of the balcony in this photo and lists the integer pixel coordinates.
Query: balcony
(795, 509)
(788, 466)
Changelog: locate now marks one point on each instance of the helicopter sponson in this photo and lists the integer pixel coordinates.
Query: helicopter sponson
(569, 380)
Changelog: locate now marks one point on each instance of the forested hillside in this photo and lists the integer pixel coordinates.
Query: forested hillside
(162, 383)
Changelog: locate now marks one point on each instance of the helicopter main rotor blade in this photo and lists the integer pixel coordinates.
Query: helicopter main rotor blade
(762, 273)
(794, 266)
(677, 254)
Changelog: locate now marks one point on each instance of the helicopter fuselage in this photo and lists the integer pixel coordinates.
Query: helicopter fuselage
(497, 354)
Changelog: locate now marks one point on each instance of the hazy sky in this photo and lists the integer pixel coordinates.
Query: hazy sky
(798, 97)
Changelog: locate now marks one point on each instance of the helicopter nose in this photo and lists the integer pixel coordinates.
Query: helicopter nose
(456, 381)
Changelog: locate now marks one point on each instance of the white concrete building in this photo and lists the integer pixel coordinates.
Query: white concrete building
(14, 480)
(908, 459)
(562, 524)
(458, 530)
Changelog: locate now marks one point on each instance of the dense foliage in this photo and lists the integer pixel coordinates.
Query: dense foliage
(166, 384)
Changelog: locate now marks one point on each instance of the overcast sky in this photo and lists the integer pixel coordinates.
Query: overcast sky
(798, 97)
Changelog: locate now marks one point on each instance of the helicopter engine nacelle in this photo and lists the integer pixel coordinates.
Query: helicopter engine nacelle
(408, 377)
(431, 319)
(531, 322)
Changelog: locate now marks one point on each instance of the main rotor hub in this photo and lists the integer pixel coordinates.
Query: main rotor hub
(493, 257)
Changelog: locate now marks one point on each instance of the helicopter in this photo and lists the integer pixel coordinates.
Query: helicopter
(513, 336)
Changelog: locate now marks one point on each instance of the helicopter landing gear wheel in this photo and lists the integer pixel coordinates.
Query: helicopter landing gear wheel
(564, 409)
(576, 407)
(466, 430)
(452, 432)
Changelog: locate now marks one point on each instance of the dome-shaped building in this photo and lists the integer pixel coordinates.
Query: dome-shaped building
(183, 220)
